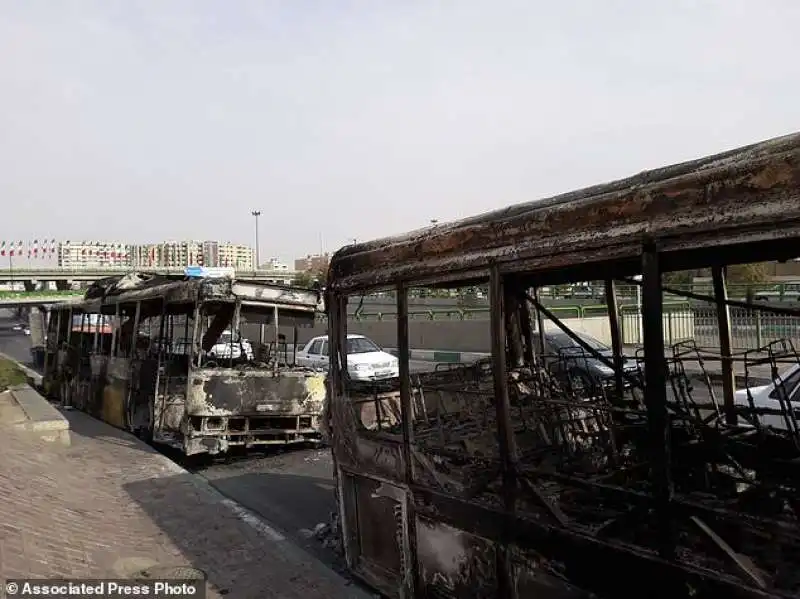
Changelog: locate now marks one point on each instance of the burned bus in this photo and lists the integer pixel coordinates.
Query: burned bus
(200, 364)
(501, 479)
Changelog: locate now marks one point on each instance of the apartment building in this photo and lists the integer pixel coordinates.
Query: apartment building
(168, 254)
(77, 255)
(313, 263)
(238, 256)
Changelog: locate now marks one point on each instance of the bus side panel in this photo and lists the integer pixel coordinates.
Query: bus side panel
(115, 392)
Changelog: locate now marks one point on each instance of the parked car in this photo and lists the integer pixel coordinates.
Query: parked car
(228, 348)
(769, 397)
(569, 361)
(366, 361)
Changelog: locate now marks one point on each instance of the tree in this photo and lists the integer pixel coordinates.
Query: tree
(748, 274)
(678, 278)
(305, 279)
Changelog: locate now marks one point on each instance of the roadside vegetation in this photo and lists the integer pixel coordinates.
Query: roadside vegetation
(6, 294)
(10, 375)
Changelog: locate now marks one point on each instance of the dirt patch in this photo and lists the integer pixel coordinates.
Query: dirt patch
(10, 375)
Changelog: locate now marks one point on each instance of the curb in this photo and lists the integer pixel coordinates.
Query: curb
(41, 418)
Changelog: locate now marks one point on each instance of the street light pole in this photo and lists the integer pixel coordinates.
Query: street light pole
(256, 214)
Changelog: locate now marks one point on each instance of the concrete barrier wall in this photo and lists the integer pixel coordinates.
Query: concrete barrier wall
(473, 335)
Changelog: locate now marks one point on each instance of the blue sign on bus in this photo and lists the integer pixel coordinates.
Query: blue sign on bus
(202, 272)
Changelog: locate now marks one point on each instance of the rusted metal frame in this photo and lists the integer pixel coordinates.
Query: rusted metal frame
(277, 340)
(115, 332)
(171, 333)
(158, 426)
(603, 558)
(336, 306)
(98, 328)
(513, 325)
(616, 336)
(185, 335)
(196, 354)
(682, 507)
(294, 346)
(741, 562)
(534, 300)
(526, 330)
(237, 314)
(406, 408)
(736, 162)
(128, 396)
(342, 332)
(726, 354)
(47, 359)
(411, 577)
(655, 397)
(505, 431)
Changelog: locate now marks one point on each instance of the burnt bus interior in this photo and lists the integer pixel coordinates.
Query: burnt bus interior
(127, 357)
(502, 478)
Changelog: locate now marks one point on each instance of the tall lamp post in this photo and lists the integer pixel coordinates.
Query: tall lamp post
(256, 214)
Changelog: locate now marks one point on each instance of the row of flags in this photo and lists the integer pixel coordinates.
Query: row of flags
(47, 248)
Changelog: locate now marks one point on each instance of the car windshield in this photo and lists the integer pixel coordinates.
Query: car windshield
(361, 345)
(564, 342)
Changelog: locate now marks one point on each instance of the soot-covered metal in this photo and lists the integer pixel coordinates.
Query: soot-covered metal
(734, 197)
(512, 477)
(173, 365)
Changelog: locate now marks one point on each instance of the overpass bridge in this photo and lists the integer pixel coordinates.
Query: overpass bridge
(63, 277)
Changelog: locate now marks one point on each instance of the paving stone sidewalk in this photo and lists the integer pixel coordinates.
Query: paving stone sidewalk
(109, 506)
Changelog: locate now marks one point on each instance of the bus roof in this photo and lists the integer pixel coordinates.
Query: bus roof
(134, 287)
(747, 196)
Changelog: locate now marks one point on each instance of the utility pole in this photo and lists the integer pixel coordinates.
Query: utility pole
(256, 214)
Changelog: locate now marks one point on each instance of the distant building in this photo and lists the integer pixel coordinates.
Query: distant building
(77, 255)
(317, 263)
(237, 256)
(274, 264)
(168, 254)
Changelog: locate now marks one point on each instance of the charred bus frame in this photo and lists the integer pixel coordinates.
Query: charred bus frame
(155, 366)
(544, 492)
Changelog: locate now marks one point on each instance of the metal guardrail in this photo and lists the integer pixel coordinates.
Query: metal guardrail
(750, 328)
(482, 313)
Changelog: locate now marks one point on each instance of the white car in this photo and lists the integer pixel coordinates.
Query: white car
(768, 396)
(365, 360)
(227, 349)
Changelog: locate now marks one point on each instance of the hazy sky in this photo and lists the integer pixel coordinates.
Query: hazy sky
(145, 120)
